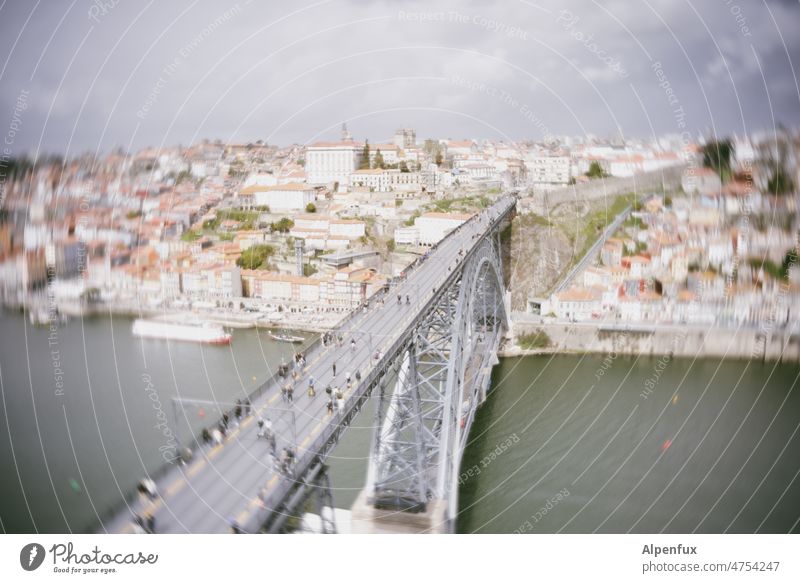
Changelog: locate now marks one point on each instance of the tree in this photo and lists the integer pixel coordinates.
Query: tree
(190, 236)
(390, 245)
(183, 175)
(379, 163)
(364, 163)
(404, 166)
(596, 170)
(780, 182)
(255, 257)
(282, 226)
(789, 262)
(310, 208)
(717, 156)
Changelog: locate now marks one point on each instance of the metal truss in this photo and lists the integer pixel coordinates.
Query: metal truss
(313, 493)
(441, 377)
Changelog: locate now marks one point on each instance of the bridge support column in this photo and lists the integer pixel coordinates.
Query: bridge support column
(367, 519)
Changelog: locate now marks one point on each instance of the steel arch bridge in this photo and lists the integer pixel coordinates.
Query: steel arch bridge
(442, 376)
(426, 361)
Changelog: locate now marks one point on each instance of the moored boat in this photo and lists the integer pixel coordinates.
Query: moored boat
(202, 332)
(283, 337)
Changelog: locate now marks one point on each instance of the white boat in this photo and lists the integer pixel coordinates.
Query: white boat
(44, 318)
(283, 337)
(203, 333)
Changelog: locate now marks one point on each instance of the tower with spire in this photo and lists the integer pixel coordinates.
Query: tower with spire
(346, 137)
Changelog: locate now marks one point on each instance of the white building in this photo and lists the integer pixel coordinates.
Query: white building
(389, 152)
(329, 162)
(548, 171)
(406, 236)
(324, 233)
(380, 180)
(280, 197)
(431, 228)
(577, 304)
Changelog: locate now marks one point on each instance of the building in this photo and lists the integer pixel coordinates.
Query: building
(372, 179)
(320, 232)
(278, 287)
(430, 228)
(385, 180)
(701, 181)
(406, 236)
(389, 152)
(280, 197)
(611, 253)
(332, 162)
(405, 138)
(347, 289)
(577, 304)
(212, 281)
(548, 171)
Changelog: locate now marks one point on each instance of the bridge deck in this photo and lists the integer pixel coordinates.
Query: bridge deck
(237, 480)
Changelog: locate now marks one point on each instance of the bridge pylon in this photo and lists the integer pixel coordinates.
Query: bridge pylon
(441, 376)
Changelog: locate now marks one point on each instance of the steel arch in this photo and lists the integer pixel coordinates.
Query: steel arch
(442, 376)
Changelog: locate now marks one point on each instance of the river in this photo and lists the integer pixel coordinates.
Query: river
(580, 444)
(565, 443)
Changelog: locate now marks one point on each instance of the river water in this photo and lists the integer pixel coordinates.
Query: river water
(568, 443)
(601, 444)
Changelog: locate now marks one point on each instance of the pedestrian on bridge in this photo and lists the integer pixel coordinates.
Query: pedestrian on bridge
(150, 521)
(334, 369)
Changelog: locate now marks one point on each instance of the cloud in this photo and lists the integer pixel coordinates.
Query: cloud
(252, 69)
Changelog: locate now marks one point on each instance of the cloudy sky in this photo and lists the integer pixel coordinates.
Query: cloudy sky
(91, 75)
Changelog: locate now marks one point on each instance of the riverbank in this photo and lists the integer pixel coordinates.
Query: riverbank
(227, 317)
(743, 343)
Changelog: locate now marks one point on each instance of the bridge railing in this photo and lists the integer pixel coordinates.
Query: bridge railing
(321, 443)
(317, 450)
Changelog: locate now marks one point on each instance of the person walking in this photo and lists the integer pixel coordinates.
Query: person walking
(334, 369)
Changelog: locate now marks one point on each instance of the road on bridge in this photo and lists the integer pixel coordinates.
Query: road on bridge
(238, 480)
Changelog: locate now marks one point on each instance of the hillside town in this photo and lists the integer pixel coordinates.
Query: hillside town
(299, 236)
(722, 250)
